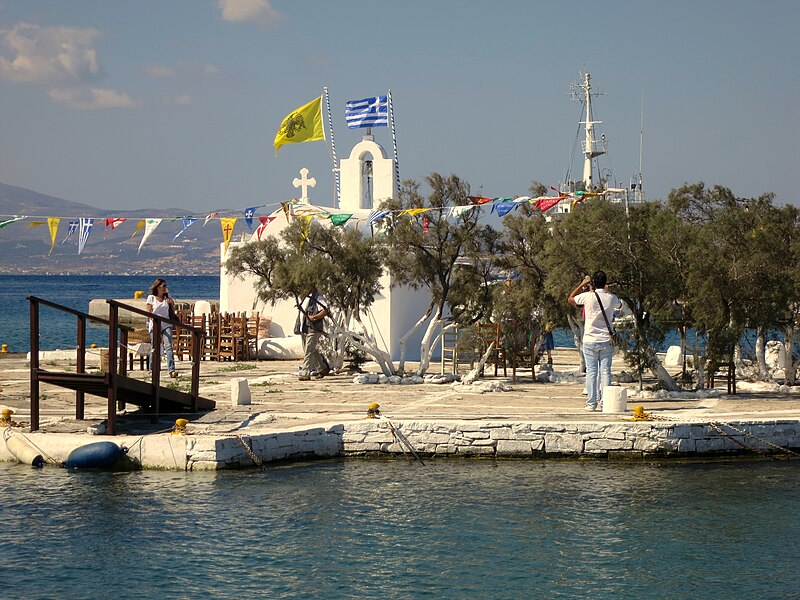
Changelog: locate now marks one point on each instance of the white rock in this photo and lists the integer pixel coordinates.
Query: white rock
(240, 392)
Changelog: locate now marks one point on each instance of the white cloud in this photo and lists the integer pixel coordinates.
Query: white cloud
(210, 70)
(249, 11)
(182, 100)
(48, 55)
(92, 99)
(159, 71)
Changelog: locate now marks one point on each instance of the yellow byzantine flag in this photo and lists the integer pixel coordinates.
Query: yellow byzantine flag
(52, 224)
(227, 231)
(303, 124)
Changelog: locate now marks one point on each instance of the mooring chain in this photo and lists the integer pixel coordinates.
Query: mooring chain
(715, 425)
(257, 461)
(760, 439)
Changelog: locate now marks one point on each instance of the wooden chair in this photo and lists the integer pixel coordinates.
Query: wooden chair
(230, 339)
(251, 324)
(182, 338)
(211, 341)
(450, 347)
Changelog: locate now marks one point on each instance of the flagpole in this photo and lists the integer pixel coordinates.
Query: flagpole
(394, 142)
(337, 189)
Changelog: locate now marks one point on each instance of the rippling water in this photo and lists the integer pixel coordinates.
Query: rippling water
(392, 529)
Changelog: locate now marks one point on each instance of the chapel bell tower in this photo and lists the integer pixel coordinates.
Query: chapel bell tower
(367, 177)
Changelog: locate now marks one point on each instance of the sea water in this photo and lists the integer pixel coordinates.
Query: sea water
(58, 330)
(395, 529)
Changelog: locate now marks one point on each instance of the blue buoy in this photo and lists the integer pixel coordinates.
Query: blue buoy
(98, 455)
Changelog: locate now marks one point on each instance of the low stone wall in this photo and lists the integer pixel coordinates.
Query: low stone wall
(527, 440)
(489, 439)
(482, 439)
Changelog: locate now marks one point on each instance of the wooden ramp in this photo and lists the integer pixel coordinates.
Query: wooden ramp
(115, 385)
(129, 391)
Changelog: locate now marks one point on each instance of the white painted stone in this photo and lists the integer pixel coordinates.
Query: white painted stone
(240, 392)
(673, 357)
(615, 399)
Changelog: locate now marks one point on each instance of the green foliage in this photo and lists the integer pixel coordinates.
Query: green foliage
(341, 263)
(423, 251)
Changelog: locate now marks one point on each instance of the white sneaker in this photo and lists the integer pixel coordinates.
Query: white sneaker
(590, 408)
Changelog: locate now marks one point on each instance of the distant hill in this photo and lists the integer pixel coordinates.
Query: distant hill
(24, 249)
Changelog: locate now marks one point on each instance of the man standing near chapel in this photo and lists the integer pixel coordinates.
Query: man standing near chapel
(313, 311)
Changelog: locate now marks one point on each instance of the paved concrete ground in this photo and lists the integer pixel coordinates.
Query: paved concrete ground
(280, 401)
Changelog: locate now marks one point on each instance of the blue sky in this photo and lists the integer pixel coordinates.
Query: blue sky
(175, 103)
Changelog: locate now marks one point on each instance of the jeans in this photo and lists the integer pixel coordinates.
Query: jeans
(598, 360)
(166, 348)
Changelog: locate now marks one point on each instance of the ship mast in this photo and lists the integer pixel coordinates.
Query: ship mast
(591, 147)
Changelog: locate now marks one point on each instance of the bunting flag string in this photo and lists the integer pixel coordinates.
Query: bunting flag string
(84, 229)
(293, 209)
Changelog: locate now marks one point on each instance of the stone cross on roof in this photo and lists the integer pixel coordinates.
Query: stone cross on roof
(304, 182)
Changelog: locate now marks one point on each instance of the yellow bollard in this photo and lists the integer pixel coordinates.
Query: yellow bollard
(4, 348)
(180, 426)
(373, 410)
(93, 346)
(5, 416)
(138, 294)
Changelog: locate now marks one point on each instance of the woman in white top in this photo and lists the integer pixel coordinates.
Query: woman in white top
(593, 295)
(159, 303)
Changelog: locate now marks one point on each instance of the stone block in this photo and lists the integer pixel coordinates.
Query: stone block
(484, 442)
(363, 447)
(476, 450)
(513, 448)
(604, 445)
(475, 435)
(501, 433)
(563, 443)
(645, 444)
(240, 392)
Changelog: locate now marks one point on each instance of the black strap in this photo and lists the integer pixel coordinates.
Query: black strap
(603, 312)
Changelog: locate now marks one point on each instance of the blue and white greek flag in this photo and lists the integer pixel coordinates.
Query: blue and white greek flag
(369, 112)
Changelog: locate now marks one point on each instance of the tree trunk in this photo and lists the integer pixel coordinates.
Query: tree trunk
(789, 366)
(404, 340)
(369, 345)
(761, 354)
(663, 376)
(425, 346)
(476, 372)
